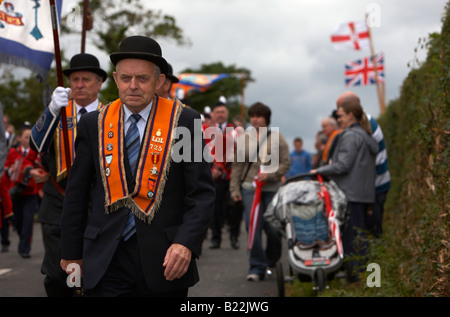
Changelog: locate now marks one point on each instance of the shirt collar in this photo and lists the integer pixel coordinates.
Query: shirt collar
(222, 126)
(144, 113)
(90, 107)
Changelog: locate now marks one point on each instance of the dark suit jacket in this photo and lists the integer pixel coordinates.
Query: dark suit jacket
(182, 217)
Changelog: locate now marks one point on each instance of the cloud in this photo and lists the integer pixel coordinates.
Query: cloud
(286, 45)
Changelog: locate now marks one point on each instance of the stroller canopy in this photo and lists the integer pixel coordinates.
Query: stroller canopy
(300, 200)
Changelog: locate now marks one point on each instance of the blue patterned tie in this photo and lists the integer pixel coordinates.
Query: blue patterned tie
(133, 145)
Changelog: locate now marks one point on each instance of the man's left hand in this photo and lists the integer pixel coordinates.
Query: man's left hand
(262, 177)
(176, 261)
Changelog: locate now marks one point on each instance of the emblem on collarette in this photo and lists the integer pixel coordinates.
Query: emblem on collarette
(108, 159)
(151, 188)
(155, 160)
(70, 124)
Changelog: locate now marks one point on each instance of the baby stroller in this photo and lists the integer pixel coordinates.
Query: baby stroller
(310, 213)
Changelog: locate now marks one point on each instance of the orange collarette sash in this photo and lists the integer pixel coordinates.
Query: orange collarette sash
(326, 150)
(154, 157)
(61, 164)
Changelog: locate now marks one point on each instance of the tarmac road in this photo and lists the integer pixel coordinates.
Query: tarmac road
(21, 277)
(222, 271)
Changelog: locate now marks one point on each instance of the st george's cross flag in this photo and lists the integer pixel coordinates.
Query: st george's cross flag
(362, 71)
(26, 34)
(351, 36)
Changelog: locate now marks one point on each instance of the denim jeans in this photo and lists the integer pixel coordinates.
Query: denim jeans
(261, 258)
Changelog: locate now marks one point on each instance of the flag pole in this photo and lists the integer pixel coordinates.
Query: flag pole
(242, 95)
(379, 85)
(60, 82)
(85, 22)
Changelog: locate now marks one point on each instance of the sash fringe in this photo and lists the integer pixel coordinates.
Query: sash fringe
(102, 167)
(61, 175)
(166, 168)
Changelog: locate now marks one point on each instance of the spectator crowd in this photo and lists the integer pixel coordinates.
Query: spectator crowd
(349, 149)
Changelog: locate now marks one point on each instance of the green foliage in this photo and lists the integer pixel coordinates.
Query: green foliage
(417, 132)
(231, 88)
(414, 250)
(24, 99)
(115, 20)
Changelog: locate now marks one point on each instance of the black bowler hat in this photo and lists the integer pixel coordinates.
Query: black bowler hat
(170, 75)
(140, 47)
(85, 62)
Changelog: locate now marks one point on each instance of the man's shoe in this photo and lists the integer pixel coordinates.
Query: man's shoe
(25, 255)
(269, 271)
(253, 277)
(214, 245)
(234, 243)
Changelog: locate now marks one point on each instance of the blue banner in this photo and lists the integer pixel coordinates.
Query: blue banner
(26, 34)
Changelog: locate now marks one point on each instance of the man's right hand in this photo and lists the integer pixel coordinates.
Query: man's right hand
(65, 263)
(39, 175)
(60, 98)
(237, 198)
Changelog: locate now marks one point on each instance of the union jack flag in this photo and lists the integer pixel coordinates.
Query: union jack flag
(362, 71)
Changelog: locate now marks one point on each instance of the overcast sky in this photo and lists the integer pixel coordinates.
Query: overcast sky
(286, 46)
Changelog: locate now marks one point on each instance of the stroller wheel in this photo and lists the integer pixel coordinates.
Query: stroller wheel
(319, 279)
(280, 279)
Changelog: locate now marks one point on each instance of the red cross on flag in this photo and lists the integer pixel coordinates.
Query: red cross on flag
(352, 35)
(365, 71)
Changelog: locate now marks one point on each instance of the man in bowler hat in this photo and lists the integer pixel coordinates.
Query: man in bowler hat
(164, 91)
(150, 211)
(85, 78)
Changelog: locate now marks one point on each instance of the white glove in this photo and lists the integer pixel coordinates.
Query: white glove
(60, 98)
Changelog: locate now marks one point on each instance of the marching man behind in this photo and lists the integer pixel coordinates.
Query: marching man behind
(86, 78)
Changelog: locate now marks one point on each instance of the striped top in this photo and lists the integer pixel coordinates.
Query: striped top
(383, 178)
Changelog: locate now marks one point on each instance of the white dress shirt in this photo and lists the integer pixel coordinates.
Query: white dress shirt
(141, 123)
(90, 107)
